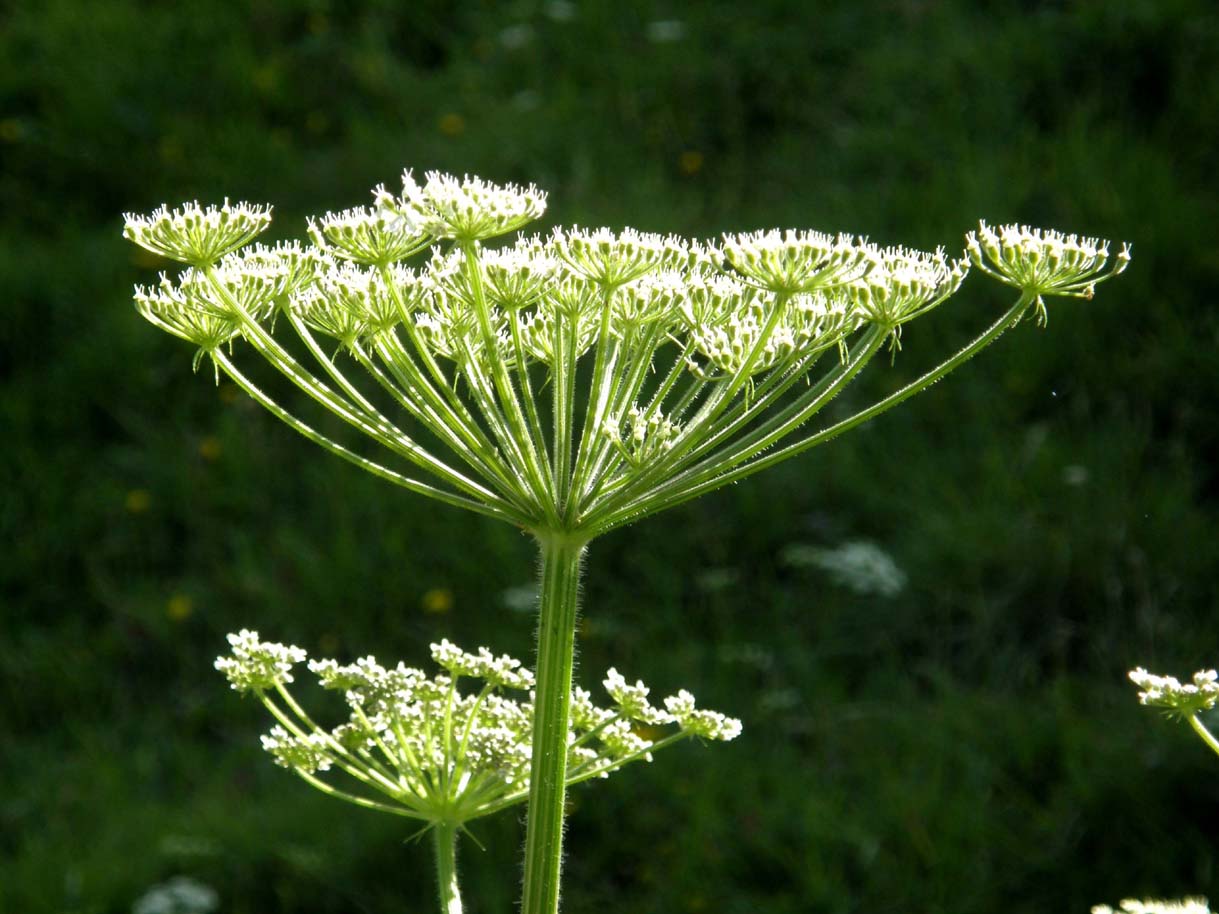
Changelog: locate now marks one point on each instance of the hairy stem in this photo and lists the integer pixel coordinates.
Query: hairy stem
(562, 553)
(444, 839)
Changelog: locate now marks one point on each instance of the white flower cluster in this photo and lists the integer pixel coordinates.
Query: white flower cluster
(904, 284)
(350, 303)
(374, 236)
(195, 235)
(209, 308)
(701, 722)
(1153, 906)
(465, 210)
(518, 276)
(179, 895)
(1043, 262)
(499, 671)
(689, 355)
(254, 664)
(1184, 699)
(860, 565)
(308, 752)
(435, 751)
(791, 261)
(836, 283)
(641, 437)
(633, 704)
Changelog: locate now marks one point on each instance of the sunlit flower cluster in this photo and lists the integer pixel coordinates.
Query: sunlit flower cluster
(254, 664)
(1153, 906)
(376, 235)
(451, 746)
(467, 209)
(903, 284)
(1174, 696)
(690, 354)
(1043, 261)
(194, 234)
(793, 261)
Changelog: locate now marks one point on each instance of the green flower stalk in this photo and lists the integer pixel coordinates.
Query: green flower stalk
(574, 383)
(423, 748)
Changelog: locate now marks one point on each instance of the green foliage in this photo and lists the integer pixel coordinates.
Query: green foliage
(965, 744)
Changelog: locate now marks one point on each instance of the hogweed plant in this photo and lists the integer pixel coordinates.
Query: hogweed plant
(419, 747)
(573, 383)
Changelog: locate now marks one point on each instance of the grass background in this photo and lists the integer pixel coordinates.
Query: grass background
(966, 745)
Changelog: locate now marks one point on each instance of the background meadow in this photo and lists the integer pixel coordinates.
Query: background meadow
(925, 626)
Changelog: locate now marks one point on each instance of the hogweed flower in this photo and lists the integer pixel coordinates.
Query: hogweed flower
(437, 751)
(452, 747)
(1154, 906)
(1044, 262)
(1185, 701)
(194, 235)
(467, 210)
(574, 383)
(369, 236)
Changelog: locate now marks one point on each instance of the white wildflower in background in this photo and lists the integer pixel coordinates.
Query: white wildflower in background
(179, 895)
(1153, 906)
(859, 565)
(665, 31)
(521, 598)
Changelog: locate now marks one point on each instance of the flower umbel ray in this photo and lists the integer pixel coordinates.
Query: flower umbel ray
(701, 356)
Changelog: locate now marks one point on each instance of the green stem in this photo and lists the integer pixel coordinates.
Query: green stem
(683, 488)
(444, 839)
(491, 508)
(562, 553)
(1202, 731)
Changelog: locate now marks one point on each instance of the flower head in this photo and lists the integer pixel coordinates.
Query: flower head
(435, 751)
(195, 235)
(1154, 906)
(610, 258)
(171, 308)
(466, 210)
(378, 235)
(1043, 261)
(700, 722)
(1177, 699)
(904, 284)
(590, 376)
(254, 664)
(792, 261)
(349, 302)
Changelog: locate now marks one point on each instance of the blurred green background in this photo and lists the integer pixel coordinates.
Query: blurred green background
(960, 740)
